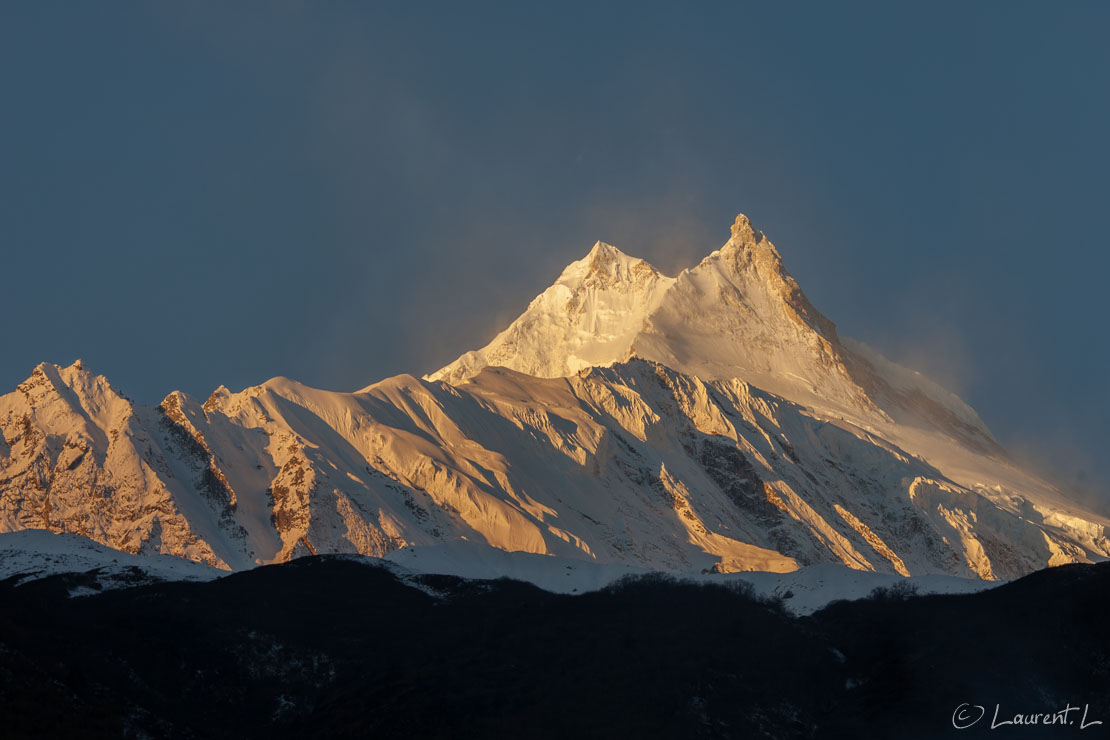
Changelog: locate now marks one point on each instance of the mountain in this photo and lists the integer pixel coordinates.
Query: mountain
(737, 314)
(710, 422)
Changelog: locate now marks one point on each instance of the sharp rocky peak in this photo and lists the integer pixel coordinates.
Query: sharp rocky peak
(751, 255)
(744, 233)
(749, 248)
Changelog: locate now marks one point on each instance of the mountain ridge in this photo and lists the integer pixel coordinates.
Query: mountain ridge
(715, 421)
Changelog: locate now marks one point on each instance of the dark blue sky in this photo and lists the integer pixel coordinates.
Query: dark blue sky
(202, 193)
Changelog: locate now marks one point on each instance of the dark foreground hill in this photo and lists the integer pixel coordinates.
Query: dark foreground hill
(331, 647)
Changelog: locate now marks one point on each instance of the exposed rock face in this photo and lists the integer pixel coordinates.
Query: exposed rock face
(713, 421)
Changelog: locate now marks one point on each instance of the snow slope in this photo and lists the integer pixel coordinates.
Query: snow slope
(809, 589)
(34, 553)
(803, 591)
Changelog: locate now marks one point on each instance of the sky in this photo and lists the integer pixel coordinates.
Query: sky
(206, 193)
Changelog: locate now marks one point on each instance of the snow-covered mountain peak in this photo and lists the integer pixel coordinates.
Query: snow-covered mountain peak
(57, 374)
(608, 267)
(76, 373)
(602, 252)
(56, 390)
(588, 317)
